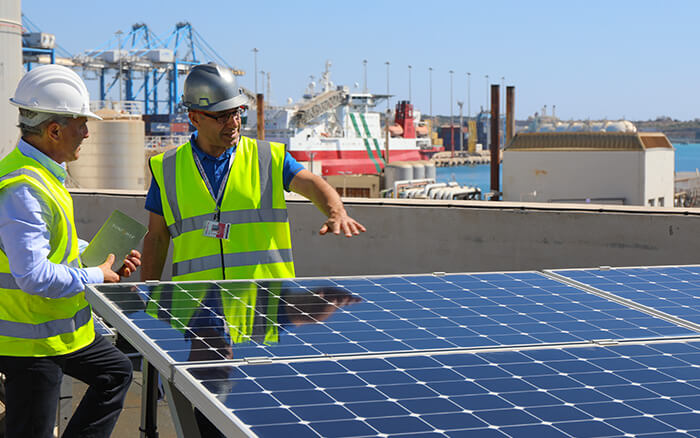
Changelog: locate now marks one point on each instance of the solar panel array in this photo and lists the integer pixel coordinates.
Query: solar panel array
(393, 314)
(491, 354)
(593, 391)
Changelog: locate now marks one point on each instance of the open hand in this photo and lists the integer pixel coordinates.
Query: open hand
(342, 222)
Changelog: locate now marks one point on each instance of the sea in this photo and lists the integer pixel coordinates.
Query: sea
(687, 159)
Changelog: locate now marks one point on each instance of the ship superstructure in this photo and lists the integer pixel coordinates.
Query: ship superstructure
(343, 132)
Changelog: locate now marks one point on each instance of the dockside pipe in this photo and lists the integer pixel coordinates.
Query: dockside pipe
(510, 113)
(261, 116)
(495, 142)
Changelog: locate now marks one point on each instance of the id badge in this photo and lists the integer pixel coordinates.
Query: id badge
(217, 230)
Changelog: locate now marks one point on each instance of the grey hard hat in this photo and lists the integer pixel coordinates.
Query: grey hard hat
(210, 87)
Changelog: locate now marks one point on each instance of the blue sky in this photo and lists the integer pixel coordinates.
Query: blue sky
(592, 59)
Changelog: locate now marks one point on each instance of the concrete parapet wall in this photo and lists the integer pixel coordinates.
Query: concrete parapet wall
(415, 236)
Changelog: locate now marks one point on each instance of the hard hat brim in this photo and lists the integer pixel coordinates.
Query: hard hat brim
(88, 114)
(231, 103)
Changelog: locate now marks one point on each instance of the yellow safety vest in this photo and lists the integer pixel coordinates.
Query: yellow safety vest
(259, 245)
(32, 325)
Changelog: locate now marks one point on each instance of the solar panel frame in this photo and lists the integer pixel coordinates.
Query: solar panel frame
(109, 311)
(103, 329)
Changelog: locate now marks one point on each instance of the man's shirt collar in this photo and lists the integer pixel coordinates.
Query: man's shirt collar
(204, 156)
(58, 170)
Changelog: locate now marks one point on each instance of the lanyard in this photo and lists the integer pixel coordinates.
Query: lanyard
(222, 187)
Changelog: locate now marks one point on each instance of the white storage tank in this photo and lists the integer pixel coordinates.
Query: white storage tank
(577, 127)
(397, 171)
(112, 157)
(430, 170)
(418, 169)
(10, 71)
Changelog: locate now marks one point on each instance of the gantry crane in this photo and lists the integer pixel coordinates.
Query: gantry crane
(138, 62)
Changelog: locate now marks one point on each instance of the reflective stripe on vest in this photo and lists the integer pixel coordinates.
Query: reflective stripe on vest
(25, 330)
(230, 260)
(7, 281)
(229, 217)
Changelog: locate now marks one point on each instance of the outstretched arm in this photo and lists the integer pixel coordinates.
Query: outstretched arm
(326, 199)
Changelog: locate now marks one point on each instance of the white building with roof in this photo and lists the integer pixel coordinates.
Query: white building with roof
(624, 168)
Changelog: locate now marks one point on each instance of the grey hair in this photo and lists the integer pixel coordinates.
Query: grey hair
(39, 129)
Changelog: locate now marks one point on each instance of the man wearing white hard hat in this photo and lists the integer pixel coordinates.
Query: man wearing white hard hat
(46, 325)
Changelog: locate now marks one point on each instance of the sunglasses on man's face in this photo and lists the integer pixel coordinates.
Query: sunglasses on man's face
(223, 118)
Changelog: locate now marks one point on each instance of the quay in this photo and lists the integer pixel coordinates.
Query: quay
(460, 158)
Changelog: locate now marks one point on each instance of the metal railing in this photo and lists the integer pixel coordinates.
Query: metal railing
(131, 107)
(164, 141)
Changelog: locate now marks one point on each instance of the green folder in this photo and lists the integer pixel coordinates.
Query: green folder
(118, 235)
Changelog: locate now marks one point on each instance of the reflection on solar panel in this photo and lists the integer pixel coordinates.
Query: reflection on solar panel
(672, 290)
(313, 317)
(623, 390)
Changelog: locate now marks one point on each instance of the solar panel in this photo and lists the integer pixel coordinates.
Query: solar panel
(101, 328)
(673, 290)
(629, 389)
(195, 321)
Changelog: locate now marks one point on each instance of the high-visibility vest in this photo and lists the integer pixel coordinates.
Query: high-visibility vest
(32, 325)
(259, 245)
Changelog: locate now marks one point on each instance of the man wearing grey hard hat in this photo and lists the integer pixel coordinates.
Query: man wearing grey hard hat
(46, 325)
(220, 196)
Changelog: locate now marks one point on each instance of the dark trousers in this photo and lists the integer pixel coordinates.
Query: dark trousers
(32, 388)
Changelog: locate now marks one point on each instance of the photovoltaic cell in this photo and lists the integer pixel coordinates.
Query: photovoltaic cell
(359, 315)
(623, 390)
(673, 290)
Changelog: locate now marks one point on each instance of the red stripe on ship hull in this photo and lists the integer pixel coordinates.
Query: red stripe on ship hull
(357, 162)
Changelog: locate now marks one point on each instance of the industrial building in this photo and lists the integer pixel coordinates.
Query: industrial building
(622, 168)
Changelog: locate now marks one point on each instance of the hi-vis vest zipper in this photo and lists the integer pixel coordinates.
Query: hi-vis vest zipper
(259, 243)
(32, 325)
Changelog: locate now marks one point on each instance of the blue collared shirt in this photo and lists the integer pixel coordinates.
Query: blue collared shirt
(215, 168)
(26, 240)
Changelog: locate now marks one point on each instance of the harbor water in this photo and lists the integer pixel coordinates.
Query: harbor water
(687, 159)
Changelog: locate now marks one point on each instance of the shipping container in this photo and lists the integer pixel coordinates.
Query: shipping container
(444, 134)
(158, 128)
(164, 118)
(179, 118)
(179, 127)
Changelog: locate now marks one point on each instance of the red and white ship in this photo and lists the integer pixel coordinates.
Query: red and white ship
(340, 132)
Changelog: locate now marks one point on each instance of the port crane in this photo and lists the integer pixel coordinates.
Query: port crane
(142, 66)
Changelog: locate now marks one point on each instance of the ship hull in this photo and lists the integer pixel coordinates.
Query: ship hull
(340, 156)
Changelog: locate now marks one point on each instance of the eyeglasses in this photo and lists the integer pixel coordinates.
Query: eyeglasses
(225, 117)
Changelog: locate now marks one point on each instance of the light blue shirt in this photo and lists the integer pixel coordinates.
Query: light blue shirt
(25, 238)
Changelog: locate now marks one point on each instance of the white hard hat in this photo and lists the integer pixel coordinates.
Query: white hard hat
(53, 89)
